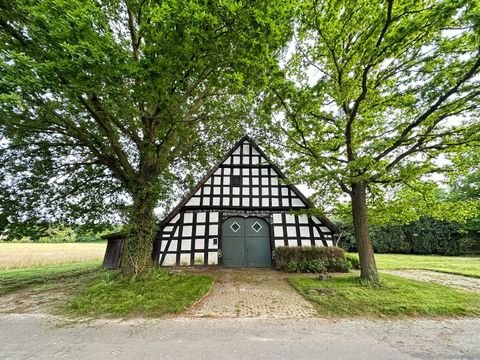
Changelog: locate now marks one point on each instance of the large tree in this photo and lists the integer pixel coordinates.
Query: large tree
(377, 92)
(101, 100)
(466, 186)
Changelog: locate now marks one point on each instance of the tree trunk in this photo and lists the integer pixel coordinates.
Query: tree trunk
(368, 266)
(141, 231)
(142, 227)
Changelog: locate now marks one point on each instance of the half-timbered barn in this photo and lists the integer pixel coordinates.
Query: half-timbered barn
(237, 215)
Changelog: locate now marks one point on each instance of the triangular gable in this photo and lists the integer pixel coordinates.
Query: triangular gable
(245, 179)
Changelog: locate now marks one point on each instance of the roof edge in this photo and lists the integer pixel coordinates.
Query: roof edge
(246, 137)
(202, 181)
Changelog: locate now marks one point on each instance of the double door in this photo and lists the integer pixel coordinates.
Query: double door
(246, 242)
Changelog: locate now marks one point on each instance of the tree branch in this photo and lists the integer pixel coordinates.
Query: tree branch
(431, 110)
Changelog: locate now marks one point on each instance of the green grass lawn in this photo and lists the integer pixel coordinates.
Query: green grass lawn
(14, 279)
(467, 266)
(346, 296)
(157, 294)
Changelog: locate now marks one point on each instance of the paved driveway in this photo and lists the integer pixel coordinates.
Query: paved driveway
(259, 293)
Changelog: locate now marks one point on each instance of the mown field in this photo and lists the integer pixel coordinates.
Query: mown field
(27, 255)
(461, 265)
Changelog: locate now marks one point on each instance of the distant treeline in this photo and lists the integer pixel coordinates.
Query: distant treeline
(57, 234)
(425, 236)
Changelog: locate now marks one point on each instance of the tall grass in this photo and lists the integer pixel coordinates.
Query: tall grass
(25, 255)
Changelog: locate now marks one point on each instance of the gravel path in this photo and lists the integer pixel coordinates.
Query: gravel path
(455, 281)
(246, 293)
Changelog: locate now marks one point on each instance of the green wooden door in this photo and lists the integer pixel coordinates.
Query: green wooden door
(257, 239)
(246, 242)
(233, 242)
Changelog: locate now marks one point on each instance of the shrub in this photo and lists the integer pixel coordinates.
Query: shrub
(23, 239)
(292, 266)
(85, 236)
(306, 259)
(354, 261)
(305, 266)
(338, 265)
(311, 266)
(58, 235)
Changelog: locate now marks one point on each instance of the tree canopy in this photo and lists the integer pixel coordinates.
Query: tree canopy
(377, 93)
(106, 104)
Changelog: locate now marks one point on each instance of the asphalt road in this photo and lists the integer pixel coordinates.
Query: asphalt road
(41, 337)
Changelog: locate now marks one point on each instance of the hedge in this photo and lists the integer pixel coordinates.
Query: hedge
(424, 237)
(311, 259)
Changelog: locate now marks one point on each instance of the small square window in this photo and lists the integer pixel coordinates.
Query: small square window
(236, 180)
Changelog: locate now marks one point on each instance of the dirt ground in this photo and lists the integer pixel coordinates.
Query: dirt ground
(236, 293)
(455, 281)
(47, 298)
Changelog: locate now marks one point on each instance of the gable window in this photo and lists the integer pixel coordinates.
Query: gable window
(236, 180)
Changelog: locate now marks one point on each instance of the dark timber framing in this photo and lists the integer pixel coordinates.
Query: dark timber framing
(297, 192)
(241, 184)
(191, 234)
